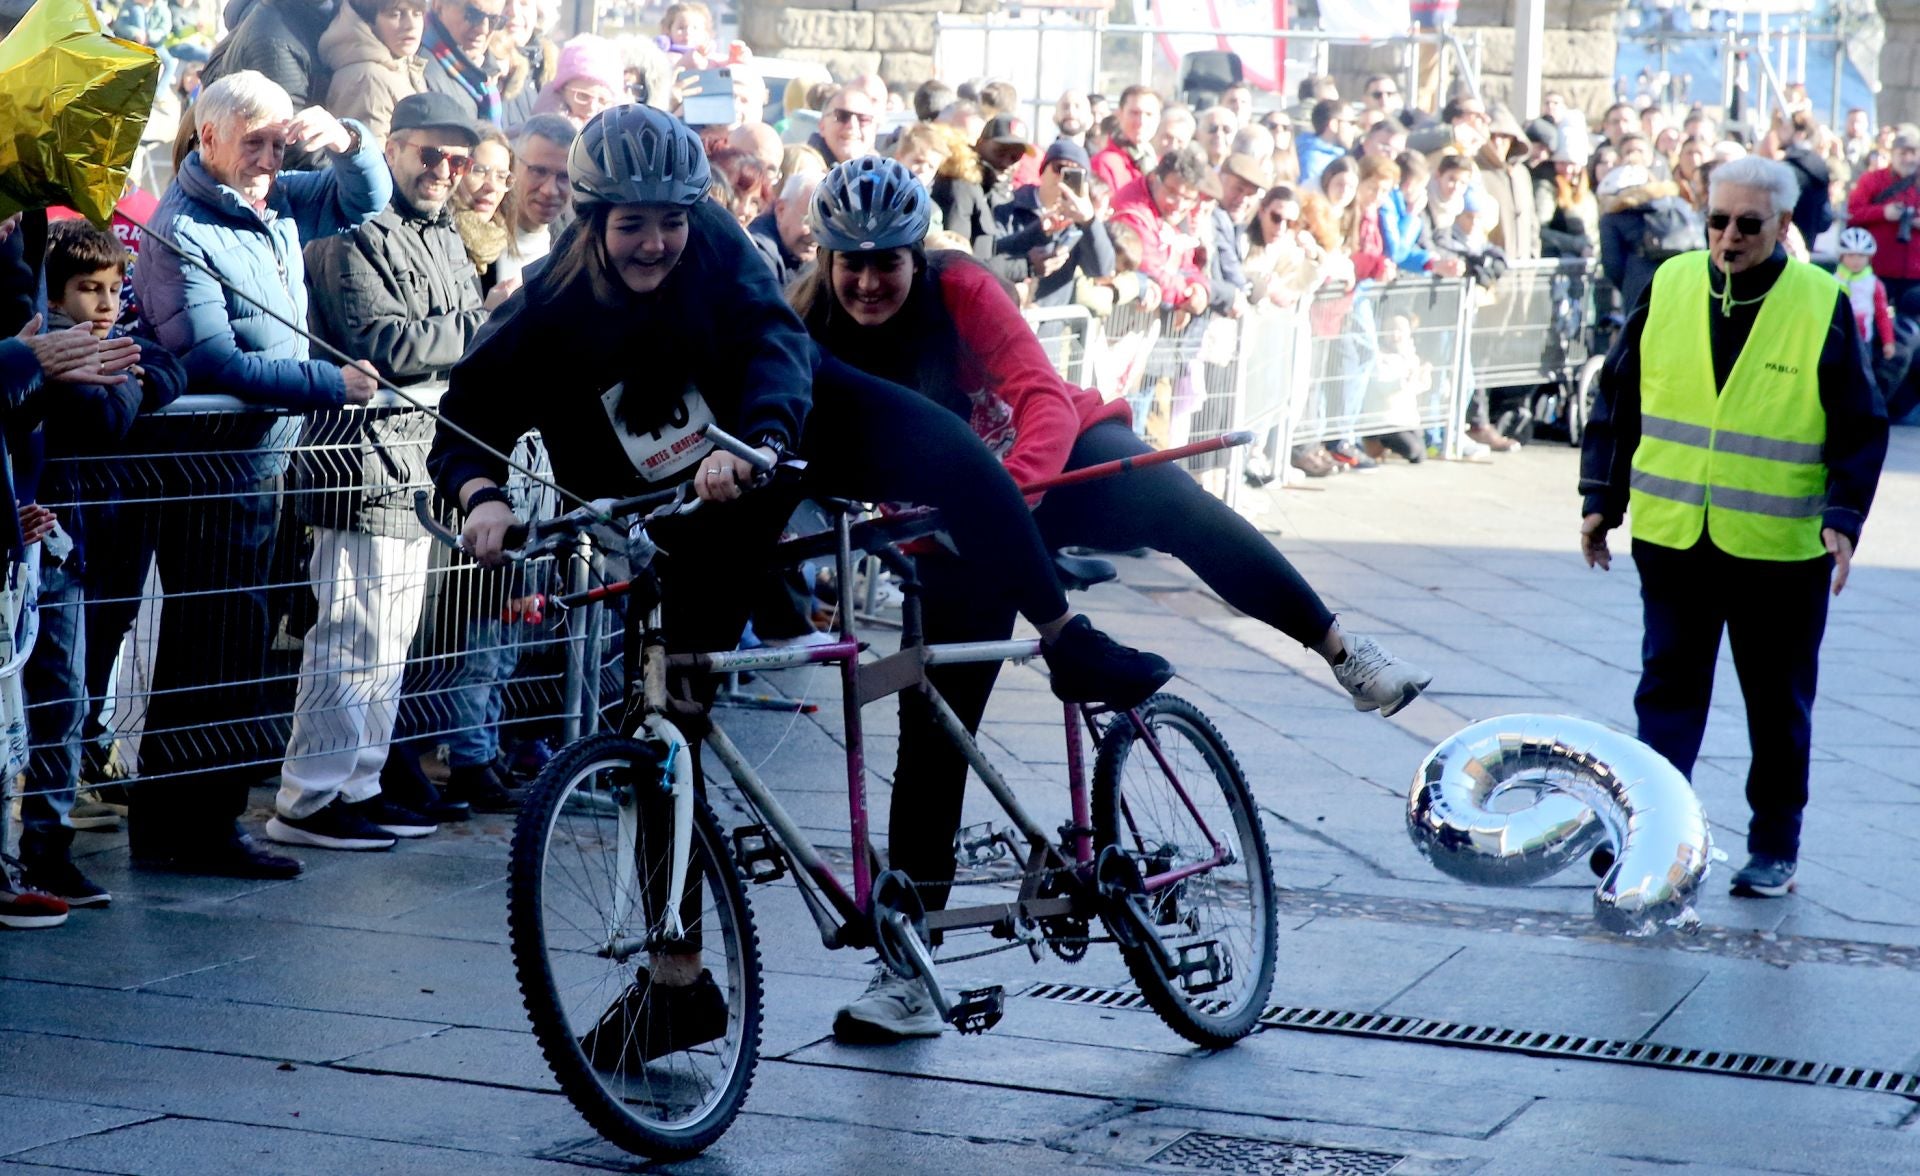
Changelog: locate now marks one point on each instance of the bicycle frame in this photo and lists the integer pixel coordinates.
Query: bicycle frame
(846, 917)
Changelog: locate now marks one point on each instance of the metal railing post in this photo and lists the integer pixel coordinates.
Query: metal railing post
(578, 698)
(1456, 411)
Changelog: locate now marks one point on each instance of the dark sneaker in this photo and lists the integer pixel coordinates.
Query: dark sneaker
(22, 908)
(1764, 877)
(1086, 665)
(237, 856)
(1348, 454)
(651, 1020)
(389, 817)
(62, 879)
(337, 826)
(481, 787)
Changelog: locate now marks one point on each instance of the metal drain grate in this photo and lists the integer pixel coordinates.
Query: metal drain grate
(1239, 1153)
(1538, 1043)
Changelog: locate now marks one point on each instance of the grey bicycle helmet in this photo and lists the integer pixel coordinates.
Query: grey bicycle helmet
(869, 204)
(637, 155)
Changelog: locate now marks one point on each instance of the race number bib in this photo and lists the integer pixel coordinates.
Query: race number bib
(670, 448)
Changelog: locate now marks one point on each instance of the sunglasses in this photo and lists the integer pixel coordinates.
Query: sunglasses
(843, 115)
(1383, 93)
(479, 16)
(458, 162)
(1750, 226)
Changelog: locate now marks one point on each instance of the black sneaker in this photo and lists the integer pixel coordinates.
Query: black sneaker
(62, 879)
(652, 1020)
(479, 786)
(1086, 665)
(337, 826)
(396, 819)
(1764, 876)
(1600, 860)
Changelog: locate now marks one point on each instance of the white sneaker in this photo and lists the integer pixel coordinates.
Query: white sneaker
(1377, 679)
(806, 640)
(891, 1009)
(1471, 449)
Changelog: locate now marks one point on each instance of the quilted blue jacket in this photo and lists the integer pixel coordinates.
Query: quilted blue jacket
(227, 343)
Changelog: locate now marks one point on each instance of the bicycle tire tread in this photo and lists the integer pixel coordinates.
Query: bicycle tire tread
(557, 1045)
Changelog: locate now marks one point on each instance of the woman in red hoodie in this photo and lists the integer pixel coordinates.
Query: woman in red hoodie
(942, 324)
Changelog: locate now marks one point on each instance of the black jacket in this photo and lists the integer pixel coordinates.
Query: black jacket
(966, 208)
(279, 38)
(1856, 422)
(399, 292)
(1813, 212)
(764, 233)
(1021, 229)
(717, 323)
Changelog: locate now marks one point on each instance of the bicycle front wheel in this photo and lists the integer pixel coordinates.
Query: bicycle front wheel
(658, 1068)
(1201, 947)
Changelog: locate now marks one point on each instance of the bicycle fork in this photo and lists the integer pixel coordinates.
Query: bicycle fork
(678, 766)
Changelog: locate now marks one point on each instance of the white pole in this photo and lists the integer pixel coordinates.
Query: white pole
(1529, 55)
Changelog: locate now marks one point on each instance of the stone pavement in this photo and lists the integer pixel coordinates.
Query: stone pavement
(364, 1018)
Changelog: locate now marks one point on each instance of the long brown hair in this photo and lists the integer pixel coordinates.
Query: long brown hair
(581, 256)
(1373, 170)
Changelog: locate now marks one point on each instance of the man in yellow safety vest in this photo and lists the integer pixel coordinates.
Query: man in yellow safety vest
(1736, 420)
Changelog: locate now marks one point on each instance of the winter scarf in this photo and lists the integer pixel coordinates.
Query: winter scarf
(471, 77)
(485, 237)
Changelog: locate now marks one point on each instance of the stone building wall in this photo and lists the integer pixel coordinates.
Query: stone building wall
(893, 38)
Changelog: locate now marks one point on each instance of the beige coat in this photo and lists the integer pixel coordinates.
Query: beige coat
(368, 80)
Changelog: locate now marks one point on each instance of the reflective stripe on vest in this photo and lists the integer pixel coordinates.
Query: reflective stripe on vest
(1745, 465)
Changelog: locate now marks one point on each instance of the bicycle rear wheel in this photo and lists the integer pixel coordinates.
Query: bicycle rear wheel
(1202, 948)
(591, 851)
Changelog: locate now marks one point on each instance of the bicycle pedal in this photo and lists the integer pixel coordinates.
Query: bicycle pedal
(1202, 967)
(979, 845)
(978, 1009)
(758, 854)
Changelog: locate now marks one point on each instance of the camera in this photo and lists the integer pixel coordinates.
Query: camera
(1904, 233)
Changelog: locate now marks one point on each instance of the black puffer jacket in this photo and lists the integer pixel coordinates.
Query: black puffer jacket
(400, 293)
(281, 39)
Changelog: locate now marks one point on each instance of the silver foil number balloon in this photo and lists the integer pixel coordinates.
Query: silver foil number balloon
(1512, 800)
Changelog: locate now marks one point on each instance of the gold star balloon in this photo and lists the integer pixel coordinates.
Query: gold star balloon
(72, 104)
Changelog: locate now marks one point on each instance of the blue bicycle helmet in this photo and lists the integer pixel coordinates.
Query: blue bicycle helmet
(869, 204)
(637, 155)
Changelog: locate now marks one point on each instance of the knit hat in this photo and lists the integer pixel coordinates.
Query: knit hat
(588, 58)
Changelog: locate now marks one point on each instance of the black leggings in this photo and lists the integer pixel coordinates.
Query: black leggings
(1156, 506)
(873, 441)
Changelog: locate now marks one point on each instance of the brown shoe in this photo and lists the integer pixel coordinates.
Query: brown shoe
(1493, 439)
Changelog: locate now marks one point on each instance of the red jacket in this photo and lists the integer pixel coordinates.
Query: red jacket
(1027, 415)
(1166, 252)
(1866, 208)
(1112, 164)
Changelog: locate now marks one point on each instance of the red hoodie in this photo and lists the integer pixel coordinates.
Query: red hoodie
(1027, 415)
(1867, 209)
(1166, 253)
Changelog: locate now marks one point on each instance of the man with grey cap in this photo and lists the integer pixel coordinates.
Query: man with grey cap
(1886, 203)
(400, 293)
(1054, 225)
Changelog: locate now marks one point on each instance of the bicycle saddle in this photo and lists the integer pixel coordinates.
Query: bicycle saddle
(1079, 572)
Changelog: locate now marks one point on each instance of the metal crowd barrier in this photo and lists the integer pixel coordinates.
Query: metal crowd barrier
(202, 583)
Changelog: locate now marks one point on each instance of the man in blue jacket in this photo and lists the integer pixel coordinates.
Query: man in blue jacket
(231, 212)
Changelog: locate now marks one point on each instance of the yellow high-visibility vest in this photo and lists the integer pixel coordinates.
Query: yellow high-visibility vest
(1746, 464)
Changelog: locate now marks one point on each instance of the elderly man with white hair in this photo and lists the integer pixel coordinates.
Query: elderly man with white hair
(1736, 423)
(782, 234)
(231, 212)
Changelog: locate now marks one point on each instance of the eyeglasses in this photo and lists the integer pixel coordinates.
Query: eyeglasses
(477, 15)
(458, 162)
(1750, 226)
(1383, 93)
(540, 177)
(482, 172)
(843, 116)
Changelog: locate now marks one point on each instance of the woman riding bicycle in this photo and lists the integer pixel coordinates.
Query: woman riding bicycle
(943, 324)
(655, 317)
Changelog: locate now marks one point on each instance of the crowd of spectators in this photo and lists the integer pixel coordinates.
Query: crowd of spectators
(381, 173)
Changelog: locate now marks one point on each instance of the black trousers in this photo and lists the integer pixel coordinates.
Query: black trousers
(1161, 507)
(1774, 615)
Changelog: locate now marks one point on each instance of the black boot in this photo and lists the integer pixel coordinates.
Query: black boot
(403, 783)
(479, 786)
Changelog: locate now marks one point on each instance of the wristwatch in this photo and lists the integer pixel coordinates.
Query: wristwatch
(487, 494)
(353, 138)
